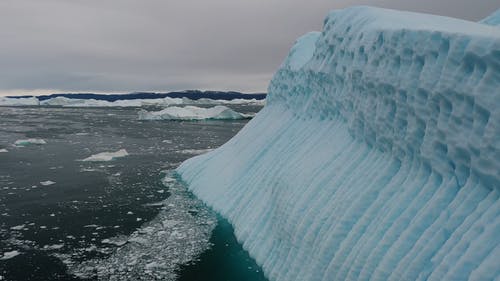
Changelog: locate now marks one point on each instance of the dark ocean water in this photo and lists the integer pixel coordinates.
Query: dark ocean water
(66, 219)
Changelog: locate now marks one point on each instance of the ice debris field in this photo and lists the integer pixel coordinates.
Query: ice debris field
(179, 234)
(376, 157)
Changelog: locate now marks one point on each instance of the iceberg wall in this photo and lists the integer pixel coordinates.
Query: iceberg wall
(376, 156)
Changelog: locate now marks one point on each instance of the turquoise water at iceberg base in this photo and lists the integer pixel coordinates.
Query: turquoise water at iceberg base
(125, 219)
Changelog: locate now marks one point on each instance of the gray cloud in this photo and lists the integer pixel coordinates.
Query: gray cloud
(130, 45)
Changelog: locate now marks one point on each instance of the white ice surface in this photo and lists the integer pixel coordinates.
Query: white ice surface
(3, 150)
(106, 156)
(377, 159)
(218, 112)
(9, 255)
(47, 183)
(195, 151)
(4, 101)
(302, 51)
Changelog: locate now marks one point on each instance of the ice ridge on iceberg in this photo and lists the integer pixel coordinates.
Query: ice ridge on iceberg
(376, 156)
(493, 19)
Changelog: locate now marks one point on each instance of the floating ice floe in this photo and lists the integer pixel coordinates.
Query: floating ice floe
(218, 112)
(9, 255)
(47, 183)
(106, 156)
(18, 227)
(117, 241)
(53, 247)
(3, 150)
(195, 151)
(26, 142)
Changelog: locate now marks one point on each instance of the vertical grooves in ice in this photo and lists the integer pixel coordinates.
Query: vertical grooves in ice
(376, 157)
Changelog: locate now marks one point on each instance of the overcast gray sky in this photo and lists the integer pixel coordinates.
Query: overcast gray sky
(164, 45)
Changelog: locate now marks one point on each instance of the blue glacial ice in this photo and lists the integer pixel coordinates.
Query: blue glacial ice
(493, 19)
(377, 156)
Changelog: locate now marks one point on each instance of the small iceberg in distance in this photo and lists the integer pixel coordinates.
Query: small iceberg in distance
(106, 156)
(47, 183)
(31, 101)
(218, 112)
(26, 142)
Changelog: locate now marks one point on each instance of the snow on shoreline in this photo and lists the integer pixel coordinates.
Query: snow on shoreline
(163, 102)
(106, 156)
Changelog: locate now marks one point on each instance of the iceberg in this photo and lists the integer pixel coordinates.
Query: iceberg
(26, 142)
(106, 156)
(32, 101)
(47, 183)
(376, 156)
(218, 112)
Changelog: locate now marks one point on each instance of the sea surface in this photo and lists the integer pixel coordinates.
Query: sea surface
(64, 218)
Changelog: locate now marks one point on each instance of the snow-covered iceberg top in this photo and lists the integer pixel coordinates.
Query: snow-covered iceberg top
(375, 158)
(218, 112)
(106, 156)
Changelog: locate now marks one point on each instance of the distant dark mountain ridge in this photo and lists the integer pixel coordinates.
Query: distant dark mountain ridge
(190, 94)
